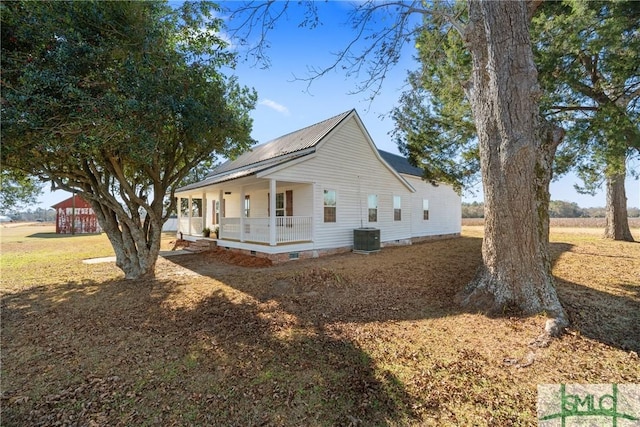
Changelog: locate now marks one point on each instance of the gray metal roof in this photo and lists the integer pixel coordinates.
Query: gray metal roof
(272, 153)
(400, 164)
(286, 148)
(295, 141)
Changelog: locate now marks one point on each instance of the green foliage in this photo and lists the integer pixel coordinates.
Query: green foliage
(473, 210)
(557, 209)
(17, 190)
(587, 56)
(562, 209)
(118, 101)
(434, 126)
(586, 53)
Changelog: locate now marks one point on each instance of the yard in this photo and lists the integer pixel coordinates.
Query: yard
(343, 340)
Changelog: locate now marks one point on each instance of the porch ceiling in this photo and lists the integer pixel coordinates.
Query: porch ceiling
(247, 182)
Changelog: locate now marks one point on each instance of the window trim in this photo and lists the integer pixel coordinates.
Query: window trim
(397, 211)
(334, 207)
(372, 212)
(247, 206)
(425, 209)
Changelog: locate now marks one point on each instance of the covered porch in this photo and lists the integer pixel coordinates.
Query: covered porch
(249, 210)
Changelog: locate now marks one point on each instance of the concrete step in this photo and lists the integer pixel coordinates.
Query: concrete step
(200, 246)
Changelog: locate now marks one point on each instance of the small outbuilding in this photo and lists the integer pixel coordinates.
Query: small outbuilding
(75, 216)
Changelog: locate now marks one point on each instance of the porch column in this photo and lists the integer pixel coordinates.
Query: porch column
(190, 215)
(314, 196)
(272, 212)
(203, 203)
(179, 209)
(220, 212)
(242, 214)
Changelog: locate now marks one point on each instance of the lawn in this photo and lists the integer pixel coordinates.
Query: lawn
(342, 340)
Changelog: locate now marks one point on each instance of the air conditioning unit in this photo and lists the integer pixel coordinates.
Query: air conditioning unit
(366, 240)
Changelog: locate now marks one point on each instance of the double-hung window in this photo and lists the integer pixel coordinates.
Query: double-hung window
(372, 202)
(397, 208)
(329, 206)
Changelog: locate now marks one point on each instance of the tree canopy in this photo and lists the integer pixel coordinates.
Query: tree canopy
(17, 189)
(118, 101)
(585, 54)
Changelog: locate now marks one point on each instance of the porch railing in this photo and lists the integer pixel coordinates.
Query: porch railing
(192, 228)
(288, 229)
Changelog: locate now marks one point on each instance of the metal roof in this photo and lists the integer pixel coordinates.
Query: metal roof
(401, 164)
(295, 141)
(272, 153)
(286, 148)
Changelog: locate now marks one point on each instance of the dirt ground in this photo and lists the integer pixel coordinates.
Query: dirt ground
(351, 339)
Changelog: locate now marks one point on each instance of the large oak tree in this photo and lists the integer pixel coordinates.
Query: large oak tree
(117, 102)
(516, 147)
(591, 85)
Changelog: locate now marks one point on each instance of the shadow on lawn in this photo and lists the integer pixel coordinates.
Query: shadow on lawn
(116, 354)
(421, 286)
(357, 288)
(60, 236)
(603, 316)
(119, 353)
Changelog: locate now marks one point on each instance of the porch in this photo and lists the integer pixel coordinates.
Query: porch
(249, 210)
(288, 229)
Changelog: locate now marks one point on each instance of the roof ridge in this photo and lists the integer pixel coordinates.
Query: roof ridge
(344, 113)
(267, 150)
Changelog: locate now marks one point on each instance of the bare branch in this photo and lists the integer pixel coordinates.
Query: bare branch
(561, 108)
(384, 28)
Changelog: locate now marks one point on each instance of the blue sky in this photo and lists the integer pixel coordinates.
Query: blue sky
(287, 103)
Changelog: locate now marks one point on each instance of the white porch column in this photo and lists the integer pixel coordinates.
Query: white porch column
(220, 212)
(242, 214)
(314, 196)
(179, 209)
(272, 212)
(190, 215)
(204, 210)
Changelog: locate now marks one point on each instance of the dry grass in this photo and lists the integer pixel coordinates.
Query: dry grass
(342, 340)
(578, 225)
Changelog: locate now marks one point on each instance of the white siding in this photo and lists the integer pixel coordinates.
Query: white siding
(347, 163)
(302, 200)
(444, 209)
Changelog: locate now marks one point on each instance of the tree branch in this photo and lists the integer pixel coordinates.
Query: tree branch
(384, 42)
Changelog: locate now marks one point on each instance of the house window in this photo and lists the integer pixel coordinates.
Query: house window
(217, 211)
(425, 209)
(284, 204)
(247, 206)
(397, 208)
(279, 204)
(196, 208)
(329, 206)
(184, 207)
(373, 207)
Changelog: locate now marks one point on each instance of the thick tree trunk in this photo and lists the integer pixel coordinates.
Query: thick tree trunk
(516, 151)
(136, 249)
(617, 223)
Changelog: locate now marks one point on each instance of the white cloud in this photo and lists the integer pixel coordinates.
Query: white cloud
(275, 106)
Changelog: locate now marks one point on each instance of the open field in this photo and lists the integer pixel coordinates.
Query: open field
(577, 225)
(343, 340)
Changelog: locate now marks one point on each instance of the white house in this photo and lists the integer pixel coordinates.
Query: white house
(303, 195)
